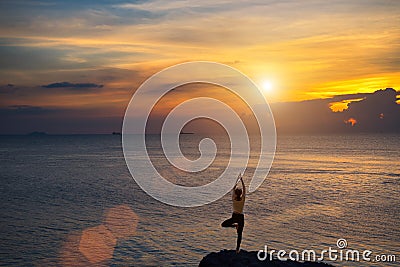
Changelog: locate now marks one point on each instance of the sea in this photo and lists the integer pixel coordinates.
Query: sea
(70, 200)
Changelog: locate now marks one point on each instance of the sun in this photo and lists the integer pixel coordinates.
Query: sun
(267, 86)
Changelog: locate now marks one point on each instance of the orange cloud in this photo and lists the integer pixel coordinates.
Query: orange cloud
(342, 105)
(351, 121)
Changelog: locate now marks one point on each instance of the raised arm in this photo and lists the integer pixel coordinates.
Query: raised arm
(244, 187)
(234, 187)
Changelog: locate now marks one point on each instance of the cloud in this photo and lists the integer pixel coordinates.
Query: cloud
(109, 100)
(23, 119)
(376, 112)
(25, 58)
(373, 112)
(73, 85)
(295, 41)
(351, 121)
(343, 104)
(25, 110)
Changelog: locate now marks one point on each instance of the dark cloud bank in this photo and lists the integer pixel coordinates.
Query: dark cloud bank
(377, 112)
(72, 85)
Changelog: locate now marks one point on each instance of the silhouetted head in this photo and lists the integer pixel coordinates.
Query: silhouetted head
(238, 193)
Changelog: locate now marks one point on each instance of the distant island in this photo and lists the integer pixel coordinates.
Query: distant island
(226, 258)
(186, 133)
(116, 133)
(37, 134)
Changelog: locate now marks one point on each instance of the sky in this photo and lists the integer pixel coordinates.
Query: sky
(72, 66)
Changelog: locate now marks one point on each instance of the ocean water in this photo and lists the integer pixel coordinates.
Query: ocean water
(70, 200)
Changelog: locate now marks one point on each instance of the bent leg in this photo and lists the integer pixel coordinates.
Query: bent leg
(228, 223)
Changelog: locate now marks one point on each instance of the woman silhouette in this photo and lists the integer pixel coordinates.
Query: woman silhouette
(237, 219)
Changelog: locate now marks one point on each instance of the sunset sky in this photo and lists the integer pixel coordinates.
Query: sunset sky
(81, 61)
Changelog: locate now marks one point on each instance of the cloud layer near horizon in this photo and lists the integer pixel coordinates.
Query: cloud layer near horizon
(377, 112)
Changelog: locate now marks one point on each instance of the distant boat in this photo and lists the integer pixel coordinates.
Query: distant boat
(116, 133)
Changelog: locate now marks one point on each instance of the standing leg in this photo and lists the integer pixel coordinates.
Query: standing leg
(239, 232)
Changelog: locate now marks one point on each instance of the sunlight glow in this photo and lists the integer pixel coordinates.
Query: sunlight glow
(267, 86)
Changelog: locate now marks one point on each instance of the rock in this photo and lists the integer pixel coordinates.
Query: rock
(249, 258)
